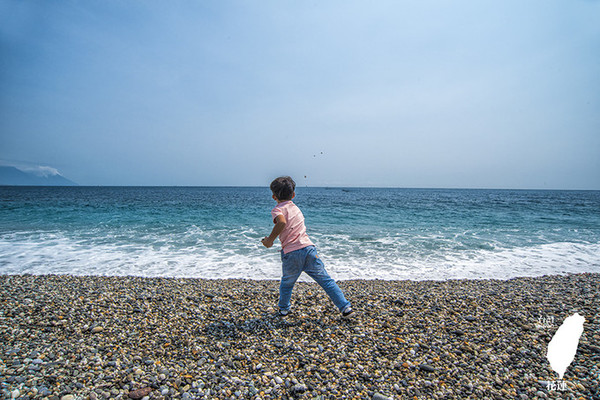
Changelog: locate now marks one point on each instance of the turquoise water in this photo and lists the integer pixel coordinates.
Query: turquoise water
(215, 232)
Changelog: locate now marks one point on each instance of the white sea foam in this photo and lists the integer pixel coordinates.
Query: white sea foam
(62, 256)
(245, 257)
(546, 259)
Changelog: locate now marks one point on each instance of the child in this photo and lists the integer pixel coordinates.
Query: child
(298, 253)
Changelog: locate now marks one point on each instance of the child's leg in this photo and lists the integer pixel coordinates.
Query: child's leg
(315, 268)
(291, 265)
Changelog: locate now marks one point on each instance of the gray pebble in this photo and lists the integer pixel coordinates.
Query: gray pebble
(299, 388)
(426, 368)
(379, 396)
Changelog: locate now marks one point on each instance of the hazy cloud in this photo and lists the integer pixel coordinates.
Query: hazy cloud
(38, 170)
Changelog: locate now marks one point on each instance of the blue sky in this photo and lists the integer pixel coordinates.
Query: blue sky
(473, 94)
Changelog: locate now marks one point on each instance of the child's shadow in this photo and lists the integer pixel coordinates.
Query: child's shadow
(232, 329)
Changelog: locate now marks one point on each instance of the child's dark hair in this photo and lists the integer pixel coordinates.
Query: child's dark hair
(283, 188)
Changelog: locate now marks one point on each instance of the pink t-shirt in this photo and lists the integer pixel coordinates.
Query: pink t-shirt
(293, 237)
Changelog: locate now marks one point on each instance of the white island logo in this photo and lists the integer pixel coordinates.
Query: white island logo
(563, 346)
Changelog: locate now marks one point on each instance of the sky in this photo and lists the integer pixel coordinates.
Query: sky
(443, 94)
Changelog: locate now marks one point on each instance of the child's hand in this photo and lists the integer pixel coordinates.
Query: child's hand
(266, 242)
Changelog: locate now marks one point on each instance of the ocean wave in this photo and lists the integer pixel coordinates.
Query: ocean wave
(240, 255)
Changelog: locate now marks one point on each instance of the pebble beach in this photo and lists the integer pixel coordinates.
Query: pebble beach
(66, 337)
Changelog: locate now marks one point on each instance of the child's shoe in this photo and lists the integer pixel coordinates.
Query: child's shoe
(283, 313)
(347, 312)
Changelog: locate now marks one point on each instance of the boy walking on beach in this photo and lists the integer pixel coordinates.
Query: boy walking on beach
(298, 253)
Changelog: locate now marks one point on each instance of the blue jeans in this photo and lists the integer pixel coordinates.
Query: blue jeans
(307, 260)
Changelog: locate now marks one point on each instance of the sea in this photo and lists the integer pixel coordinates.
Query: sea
(360, 233)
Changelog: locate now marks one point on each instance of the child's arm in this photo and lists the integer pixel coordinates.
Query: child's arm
(277, 229)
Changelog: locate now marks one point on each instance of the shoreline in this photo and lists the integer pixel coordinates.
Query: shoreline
(305, 277)
(102, 337)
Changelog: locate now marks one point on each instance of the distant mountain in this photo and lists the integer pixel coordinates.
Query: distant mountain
(11, 176)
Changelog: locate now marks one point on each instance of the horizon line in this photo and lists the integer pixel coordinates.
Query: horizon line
(300, 187)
